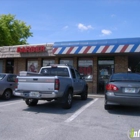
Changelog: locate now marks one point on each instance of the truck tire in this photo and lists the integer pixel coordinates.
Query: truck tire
(7, 94)
(84, 94)
(31, 102)
(68, 100)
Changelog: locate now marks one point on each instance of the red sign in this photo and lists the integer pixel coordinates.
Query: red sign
(85, 70)
(31, 49)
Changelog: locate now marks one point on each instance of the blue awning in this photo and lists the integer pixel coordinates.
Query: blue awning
(124, 45)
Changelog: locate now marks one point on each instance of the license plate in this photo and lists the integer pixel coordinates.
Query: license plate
(34, 94)
(130, 90)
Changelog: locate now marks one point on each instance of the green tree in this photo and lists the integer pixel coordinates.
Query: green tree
(13, 31)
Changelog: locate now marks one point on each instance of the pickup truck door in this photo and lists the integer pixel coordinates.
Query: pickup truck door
(78, 83)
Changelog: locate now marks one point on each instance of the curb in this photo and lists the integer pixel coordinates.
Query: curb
(96, 95)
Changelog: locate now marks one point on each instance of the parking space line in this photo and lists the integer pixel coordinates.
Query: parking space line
(11, 103)
(80, 111)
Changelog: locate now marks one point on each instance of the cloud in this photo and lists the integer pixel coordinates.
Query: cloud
(82, 27)
(106, 32)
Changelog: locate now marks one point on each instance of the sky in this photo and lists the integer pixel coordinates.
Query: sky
(74, 20)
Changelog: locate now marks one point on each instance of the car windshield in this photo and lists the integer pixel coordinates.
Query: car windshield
(125, 77)
(2, 76)
(55, 72)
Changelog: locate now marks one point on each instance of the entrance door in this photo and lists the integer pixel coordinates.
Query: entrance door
(10, 66)
(105, 69)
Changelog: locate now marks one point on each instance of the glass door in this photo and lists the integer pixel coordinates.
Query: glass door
(105, 69)
(10, 66)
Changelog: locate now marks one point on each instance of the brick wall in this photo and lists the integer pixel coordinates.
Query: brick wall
(19, 65)
(121, 64)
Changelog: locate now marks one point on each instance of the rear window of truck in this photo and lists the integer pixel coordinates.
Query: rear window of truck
(55, 72)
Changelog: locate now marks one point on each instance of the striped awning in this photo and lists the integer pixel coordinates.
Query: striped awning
(127, 45)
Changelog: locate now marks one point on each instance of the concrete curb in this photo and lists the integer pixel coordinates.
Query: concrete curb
(96, 95)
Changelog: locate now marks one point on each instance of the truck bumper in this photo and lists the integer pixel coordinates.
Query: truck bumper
(37, 95)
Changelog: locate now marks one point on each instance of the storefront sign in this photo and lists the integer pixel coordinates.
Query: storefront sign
(31, 49)
(85, 70)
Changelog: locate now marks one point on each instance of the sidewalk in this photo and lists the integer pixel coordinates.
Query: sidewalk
(93, 95)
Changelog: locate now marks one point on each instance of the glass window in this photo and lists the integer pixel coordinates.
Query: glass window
(125, 76)
(32, 66)
(55, 72)
(77, 74)
(85, 67)
(73, 73)
(66, 61)
(47, 62)
(2, 76)
(9, 66)
(105, 62)
(11, 78)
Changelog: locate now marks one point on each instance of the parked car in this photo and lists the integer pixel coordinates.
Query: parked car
(7, 85)
(123, 89)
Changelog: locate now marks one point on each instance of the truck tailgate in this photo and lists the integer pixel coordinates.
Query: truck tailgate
(36, 83)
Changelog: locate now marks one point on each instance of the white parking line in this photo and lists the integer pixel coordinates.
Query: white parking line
(11, 103)
(80, 111)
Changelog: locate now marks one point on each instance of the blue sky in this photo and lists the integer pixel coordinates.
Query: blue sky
(73, 20)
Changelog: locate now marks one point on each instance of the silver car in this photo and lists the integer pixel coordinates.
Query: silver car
(123, 89)
(7, 85)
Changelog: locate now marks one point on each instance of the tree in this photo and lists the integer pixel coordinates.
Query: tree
(13, 31)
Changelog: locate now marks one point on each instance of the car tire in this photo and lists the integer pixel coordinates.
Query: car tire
(7, 94)
(31, 102)
(84, 94)
(68, 100)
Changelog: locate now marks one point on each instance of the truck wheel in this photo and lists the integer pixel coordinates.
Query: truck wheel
(84, 94)
(31, 102)
(68, 100)
(7, 94)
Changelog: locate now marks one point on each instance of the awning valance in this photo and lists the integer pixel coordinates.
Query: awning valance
(128, 45)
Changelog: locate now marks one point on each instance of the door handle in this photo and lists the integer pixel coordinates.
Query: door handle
(35, 79)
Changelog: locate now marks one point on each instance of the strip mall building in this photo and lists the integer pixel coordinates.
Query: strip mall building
(96, 59)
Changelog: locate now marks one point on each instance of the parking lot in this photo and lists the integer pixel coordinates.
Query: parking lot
(86, 120)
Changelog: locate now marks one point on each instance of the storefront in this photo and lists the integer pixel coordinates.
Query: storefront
(96, 59)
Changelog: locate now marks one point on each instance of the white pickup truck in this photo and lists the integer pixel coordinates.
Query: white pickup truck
(54, 82)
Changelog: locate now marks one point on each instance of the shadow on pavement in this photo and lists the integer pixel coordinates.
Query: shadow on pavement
(54, 107)
(125, 110)
(14, 98)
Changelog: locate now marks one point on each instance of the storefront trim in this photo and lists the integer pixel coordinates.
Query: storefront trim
(129, 45)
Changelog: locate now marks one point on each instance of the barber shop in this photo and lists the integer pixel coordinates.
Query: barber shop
(95, 59)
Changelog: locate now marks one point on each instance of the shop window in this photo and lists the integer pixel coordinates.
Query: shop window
(66, 61)
(85, 67)
(47, 62)
(32, 66)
